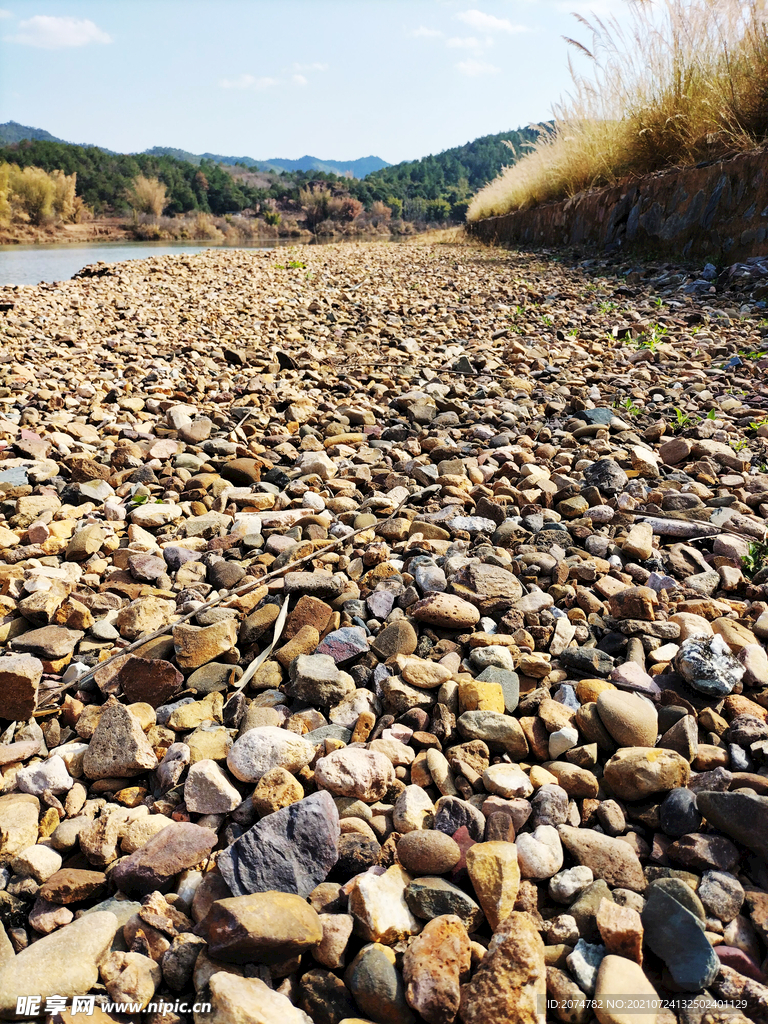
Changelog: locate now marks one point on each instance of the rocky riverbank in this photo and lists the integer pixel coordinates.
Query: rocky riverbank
(384, 639)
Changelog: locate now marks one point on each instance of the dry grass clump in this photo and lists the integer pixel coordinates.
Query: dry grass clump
(686, 80)
(34, 196)
(147, 196)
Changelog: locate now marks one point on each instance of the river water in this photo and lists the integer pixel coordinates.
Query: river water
(31, 264)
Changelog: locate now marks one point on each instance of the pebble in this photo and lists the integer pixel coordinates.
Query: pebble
(629, 718)
(352, 772)
(64, 963)
(259, 750)
(532, 665)
(290, 850)
(674, 934)
(261, 927)
(618, 982)
(428, 852)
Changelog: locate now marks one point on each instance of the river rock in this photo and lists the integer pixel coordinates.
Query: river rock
(629, 718)
(179, 846)
(352, 772)
(259, 750)
(291, 850)
(63, 964)
(637, 772)
(262, 927)
(511, 982)
(433, 966)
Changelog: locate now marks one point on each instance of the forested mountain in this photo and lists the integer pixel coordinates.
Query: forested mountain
(454, 175)
(12, 132)
(103, 178)
(436, 188)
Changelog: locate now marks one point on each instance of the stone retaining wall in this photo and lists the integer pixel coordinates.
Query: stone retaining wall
(717, 211)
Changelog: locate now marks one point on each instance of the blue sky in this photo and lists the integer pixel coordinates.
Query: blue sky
(280, 78)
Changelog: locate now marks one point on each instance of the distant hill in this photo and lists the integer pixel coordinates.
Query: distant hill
(12, 132)
(356, 168)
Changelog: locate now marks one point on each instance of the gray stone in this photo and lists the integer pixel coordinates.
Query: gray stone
(676, 935)
(291, 850)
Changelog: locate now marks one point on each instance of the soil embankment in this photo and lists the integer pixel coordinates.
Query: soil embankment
(716, 211)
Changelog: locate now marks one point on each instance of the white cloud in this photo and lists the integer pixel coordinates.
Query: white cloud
(299, 80)
(51, 33)
(241, 82)
(422, 32)
(475, 68)
(248, 82)
(5, 14)
(466, 43)
(310, 67)
(482, 22)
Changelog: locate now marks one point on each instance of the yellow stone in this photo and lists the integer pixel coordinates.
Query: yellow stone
(495, 876)
(481, 696)
(145, 714)
(132, 796)
(189, 716)
(588, 690)
(48, 823)
(541, 777)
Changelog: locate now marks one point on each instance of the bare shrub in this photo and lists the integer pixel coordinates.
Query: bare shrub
(32, 193)
(315, 203)
(147, 195)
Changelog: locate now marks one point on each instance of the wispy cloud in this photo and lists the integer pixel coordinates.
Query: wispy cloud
(482, 22)
(5, 14)
(301, 68)
(248, 82)
(475, 68)
(422, 32)
(299, 80)
(52, 33)
(466, 43)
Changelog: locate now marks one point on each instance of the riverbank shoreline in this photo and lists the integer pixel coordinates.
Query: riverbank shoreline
(219, 231)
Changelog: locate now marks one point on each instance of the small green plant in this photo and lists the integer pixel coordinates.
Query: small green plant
(682, 420)
(296, 265)
(658, 303)
(756, 424)
(712, 414)
(573, 333)
(652, 338)
(756, 557)
(749, 354)
(628, 406)
(607, 307)
(547, 321)
(739, 444)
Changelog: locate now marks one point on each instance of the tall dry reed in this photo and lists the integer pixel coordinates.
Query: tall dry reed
(682, 81)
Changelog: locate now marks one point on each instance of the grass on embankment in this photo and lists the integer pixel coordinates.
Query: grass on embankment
(687, 80)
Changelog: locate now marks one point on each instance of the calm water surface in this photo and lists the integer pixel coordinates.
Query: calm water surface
(31, 264)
